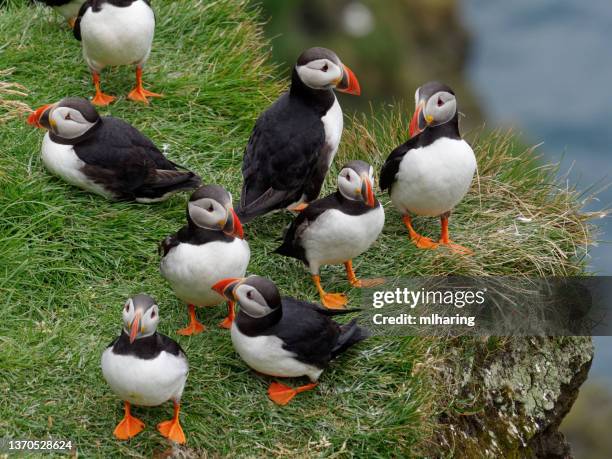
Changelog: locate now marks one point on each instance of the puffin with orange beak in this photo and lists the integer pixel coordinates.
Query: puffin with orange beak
(145, 368)
(209, 248)
(105, 155)
(432, 172)
(294, 141)
(338, 228)
(284, 337)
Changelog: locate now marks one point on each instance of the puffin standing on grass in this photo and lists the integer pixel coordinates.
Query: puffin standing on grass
(338, 228)
(209, 248)
(285, 337)
(116, 32)
(69, 9)
(144, 367)
(106, 155)
(432, 172)
(295, 140)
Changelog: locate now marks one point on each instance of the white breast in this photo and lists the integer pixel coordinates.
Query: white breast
(333, 123)
(432, 180)
(266, 355)
(145, 382)
(70, 9)
(117, 36)
(335, 237)
(192, 270)
(61, 160)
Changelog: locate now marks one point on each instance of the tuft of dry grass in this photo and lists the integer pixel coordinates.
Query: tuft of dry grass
(11, 108)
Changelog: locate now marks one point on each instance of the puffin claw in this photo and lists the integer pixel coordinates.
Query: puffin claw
(334, 300)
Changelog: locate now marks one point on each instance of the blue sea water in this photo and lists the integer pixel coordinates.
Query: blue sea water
(545, 68)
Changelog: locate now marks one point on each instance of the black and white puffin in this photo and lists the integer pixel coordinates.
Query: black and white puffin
(106, 155)
(295, 140)
(116, 32)
(285, 337)
(432, 172)
(338, 228)
(69, 9)
(145, 368)
(209, 248)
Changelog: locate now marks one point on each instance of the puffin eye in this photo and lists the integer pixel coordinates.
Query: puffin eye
(127, 307)
(153, 314)
(250, 294)
(440, 102)
(211, 208)
(67, 117)
(348, 176)
(325, 68)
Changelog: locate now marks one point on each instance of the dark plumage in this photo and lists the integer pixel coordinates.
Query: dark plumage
(146, 348)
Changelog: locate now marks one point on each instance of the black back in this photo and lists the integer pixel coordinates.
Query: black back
(428, 136)
(292, 243)
(192, 234)
(146, 348)
(286, 155)
(305, 328)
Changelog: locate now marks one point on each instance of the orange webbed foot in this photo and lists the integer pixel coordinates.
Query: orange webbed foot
(226, 323)
(128, 427)
(456, 248)
(172, 430)
(102, 100)
(298, 207)
(194, 328)
(281, 394)
(334, 300)
(141, 94)
(423, 242)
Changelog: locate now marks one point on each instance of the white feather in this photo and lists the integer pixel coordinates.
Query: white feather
(61, 160)
(432, 180)
(267, 355)
(146, 382)
(117, 35)
(192, 270)
(335, 237)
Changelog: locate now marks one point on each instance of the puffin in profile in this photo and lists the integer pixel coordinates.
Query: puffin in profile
(338, 228)
(432, 172)
(295, 140)
(145, 368)
(116, 32)
(209, 248)
(69, 9)
(106, 155)
(285, 337)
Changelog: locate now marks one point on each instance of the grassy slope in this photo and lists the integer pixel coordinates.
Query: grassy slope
(69, 259)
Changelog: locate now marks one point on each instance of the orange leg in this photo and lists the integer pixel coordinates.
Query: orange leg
(194, 326)
(359, 283)
(129, 426)
(329, 300)
(231, 315)
(139, 93)
(298, 207)
(100, 98)
(445, 238)
(420, 241)
(281, 394)
(172, 429)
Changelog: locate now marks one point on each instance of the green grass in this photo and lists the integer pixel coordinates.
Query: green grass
(68, 259)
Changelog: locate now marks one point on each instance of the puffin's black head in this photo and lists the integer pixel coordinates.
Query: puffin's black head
(210, 207)
(140, 316)
(356, 182)
(68, 119)
(435, 103)
(256, 295)
(320, 68)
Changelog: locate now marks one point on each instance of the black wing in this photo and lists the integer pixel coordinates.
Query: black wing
(391, 166)
(77, 24)
(281, 157)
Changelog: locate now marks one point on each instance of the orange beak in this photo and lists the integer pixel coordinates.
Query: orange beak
(34, 118)
(135, 327)
(233, 227)
(366, 191)
(225, 287)
(349, 83)
(414, 122)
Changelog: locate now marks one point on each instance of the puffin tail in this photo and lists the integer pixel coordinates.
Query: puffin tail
(166, 183)
(350, 334)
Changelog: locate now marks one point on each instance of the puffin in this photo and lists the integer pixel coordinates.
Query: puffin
(285, 337)
(210, 247)
(338, 228)
(295, 140)
(106, 155)
(145, 368)
(69, 9)
(116, 32)
(429, 174)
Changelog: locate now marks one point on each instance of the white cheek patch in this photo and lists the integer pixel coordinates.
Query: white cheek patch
(313, 77)
(68, 129)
